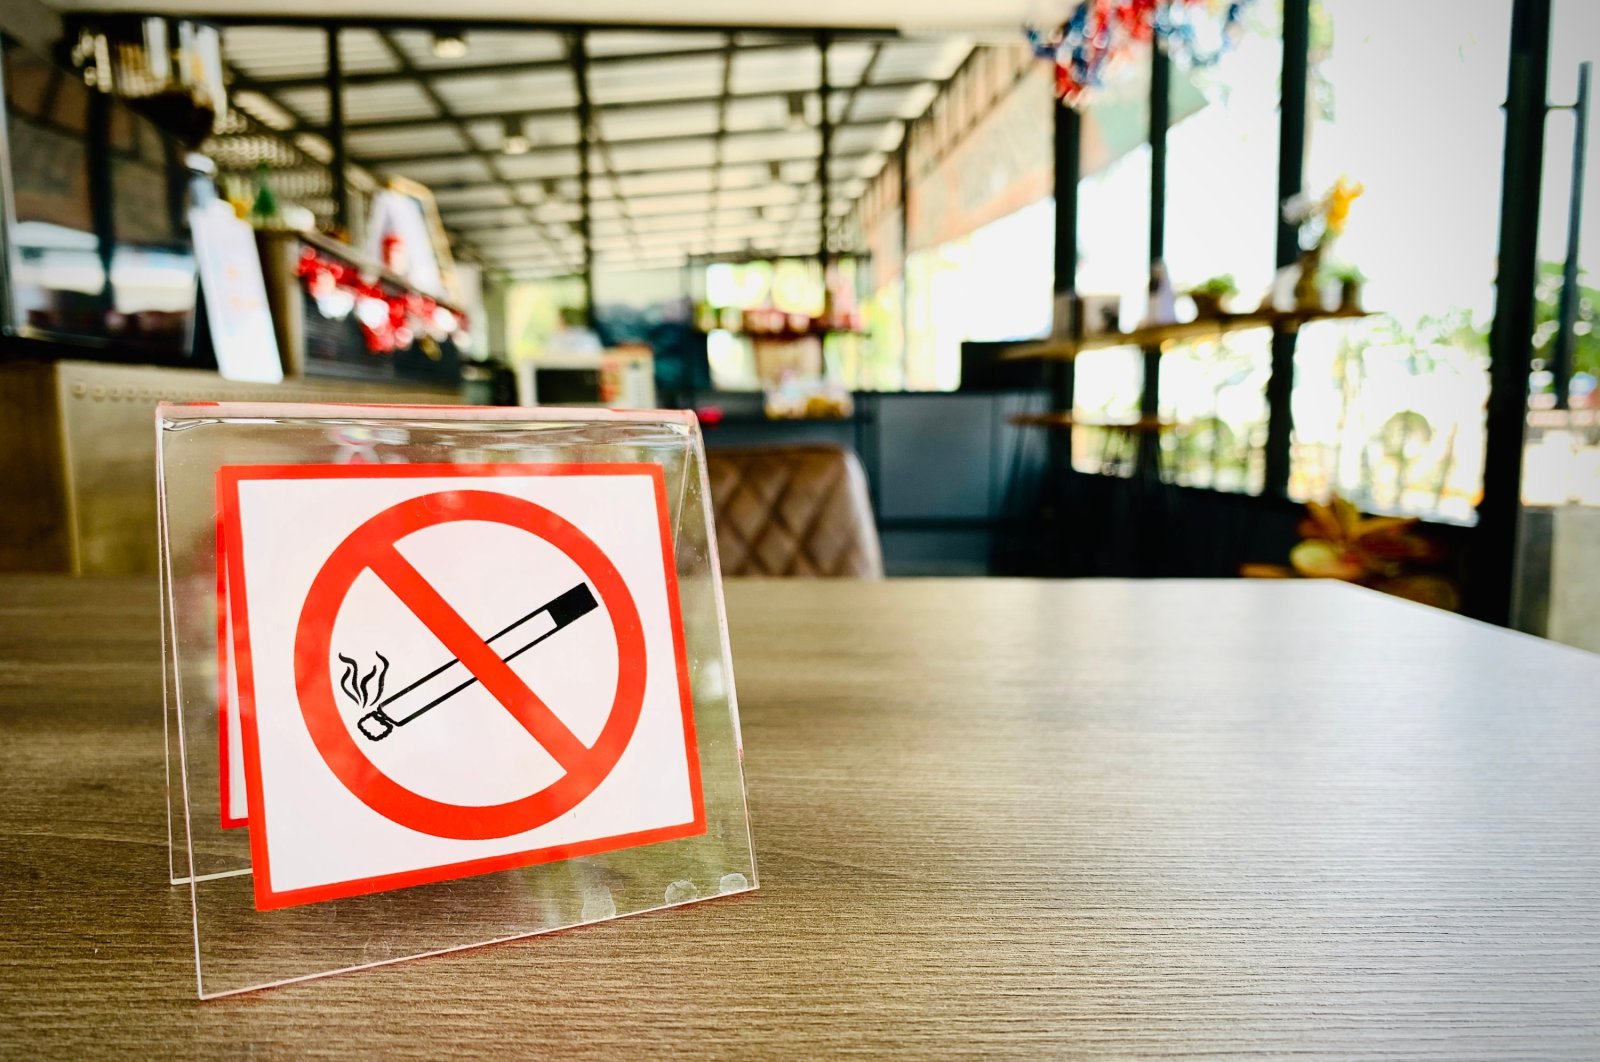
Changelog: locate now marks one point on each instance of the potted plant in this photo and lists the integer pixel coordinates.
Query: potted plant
(1350, 280)
(1209, 295)
(1386, 553)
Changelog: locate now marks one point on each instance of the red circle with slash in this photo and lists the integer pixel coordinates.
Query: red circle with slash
(371, 547)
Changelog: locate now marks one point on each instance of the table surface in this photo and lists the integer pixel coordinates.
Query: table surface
(1103, 817)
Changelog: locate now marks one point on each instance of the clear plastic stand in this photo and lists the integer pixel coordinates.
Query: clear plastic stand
(438, 677)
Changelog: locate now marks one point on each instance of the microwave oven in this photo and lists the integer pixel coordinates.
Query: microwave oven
(620, 378)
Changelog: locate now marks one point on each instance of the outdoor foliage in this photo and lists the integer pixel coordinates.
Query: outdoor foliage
(1586, 341)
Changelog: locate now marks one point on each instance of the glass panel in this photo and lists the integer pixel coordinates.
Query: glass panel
(1214, 394)
(1390, 412)
(1113, 259)
(1560, 533)
(993, 284)
(1222, 173)
(257, 921)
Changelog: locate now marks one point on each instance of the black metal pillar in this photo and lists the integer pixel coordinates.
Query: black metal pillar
(580, 76)
(824, 154)
(1567, 312)
(1291, 180)
(102, 190)
(1149, 451)
(1068, 171)
(1494, 554)
(336, 145)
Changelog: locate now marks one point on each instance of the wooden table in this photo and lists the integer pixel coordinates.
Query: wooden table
(1103, 817)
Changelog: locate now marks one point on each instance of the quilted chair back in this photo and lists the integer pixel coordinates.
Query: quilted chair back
(793, 511)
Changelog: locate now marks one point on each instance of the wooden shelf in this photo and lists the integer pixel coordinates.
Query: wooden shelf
(789, 336)
(1143, 425)
(1160, 335)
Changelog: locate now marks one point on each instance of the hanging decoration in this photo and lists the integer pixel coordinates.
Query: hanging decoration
(390, 320)
(1098, 32)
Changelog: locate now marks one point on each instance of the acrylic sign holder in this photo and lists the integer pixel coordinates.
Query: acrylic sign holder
(438, 677)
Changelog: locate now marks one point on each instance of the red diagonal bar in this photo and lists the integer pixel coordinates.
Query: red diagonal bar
(446, 624)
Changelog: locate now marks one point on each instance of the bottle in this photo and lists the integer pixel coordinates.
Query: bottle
(264, 212)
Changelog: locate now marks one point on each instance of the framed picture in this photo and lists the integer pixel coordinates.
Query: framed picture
(404, 211)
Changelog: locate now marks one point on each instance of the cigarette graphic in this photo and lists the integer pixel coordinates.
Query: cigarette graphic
(450, 678)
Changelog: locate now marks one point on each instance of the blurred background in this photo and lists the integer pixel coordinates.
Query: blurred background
(1272, 289)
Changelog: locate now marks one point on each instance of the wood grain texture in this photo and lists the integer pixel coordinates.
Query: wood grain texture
(1096, 818)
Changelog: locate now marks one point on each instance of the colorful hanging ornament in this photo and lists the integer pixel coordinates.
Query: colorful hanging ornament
(1098, 32)
(390, 321)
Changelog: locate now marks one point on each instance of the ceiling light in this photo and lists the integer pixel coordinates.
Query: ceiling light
(797, 110)
(514, 141)
(449, 44)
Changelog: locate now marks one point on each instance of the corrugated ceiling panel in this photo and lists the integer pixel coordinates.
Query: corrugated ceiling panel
(695, 120)
(760, 195)
(764, 113)
(658, 156)
(484, 48)
(670, 211)
(784, 144)
(869, 104)
(363, 52)
(622, 42)
(855, 140)
(539, 164)
(442, 171)
(421, 138)
(497, 217)
(655, 79)
(847, 60)
(387, 99)
(468, 198)
(656, 183)
(493, 93)
(311, 104)
(541, 132)
(262, 51)
(670, 204)
(933, 59)
(778, 70)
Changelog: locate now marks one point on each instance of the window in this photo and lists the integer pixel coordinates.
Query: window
(1113, 259)
(1222, 184)
(994, 283)
(1390, 412)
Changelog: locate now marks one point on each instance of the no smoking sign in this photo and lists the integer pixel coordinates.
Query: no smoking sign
(447, 670)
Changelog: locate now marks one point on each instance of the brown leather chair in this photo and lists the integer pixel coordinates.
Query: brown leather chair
(793, 510)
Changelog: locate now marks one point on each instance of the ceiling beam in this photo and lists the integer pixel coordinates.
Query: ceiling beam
(644, 141)
(805, 211)
(633, 107)
(776, 195)
(699, 167)
(483, 24)
(526, 66)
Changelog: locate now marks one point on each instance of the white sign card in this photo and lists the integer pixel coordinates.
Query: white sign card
(438, 671)
(237, 312)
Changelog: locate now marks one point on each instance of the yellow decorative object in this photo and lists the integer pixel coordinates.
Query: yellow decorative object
(1337, 205)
